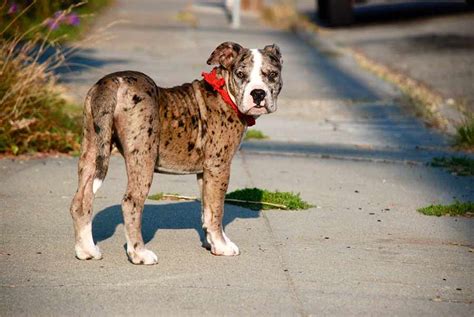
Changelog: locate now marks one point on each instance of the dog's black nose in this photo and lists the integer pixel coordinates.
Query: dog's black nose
(258, 95)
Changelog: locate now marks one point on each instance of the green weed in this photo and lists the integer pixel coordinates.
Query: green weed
(461, 166)
(455, 209)
(166, 196)
(291, 200)
(252, 198)
(253, 134)
(465, 134)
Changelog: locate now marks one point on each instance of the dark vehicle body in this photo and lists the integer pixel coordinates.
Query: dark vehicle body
(340, 12)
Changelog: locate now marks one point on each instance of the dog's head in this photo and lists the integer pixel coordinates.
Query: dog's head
(253, 76)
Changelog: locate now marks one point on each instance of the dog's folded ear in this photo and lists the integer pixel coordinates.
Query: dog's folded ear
(225, 54)
(274, 50)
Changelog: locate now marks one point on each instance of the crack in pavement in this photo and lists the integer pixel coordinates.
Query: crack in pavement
(283, 264)
(407, 155)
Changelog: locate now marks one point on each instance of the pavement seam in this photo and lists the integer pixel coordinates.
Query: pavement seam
(283, 264)
(332, 157)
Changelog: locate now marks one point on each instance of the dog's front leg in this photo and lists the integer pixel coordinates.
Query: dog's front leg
(214, 187)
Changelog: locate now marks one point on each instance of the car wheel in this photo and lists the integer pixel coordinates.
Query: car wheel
(336, 12)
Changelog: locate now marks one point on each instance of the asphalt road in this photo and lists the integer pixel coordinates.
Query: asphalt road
(339, 139)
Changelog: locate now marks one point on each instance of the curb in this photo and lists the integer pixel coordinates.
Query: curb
(428, 104)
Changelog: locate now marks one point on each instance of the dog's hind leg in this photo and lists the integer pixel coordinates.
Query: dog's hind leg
(139, 182)
(138, 134)
(200, 180)
(93, 163)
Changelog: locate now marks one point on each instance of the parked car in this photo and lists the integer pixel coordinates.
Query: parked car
(340, 12)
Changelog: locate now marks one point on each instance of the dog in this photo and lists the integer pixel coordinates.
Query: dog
(195, 128)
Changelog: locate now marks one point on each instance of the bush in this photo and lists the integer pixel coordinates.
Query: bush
(32, 112)
(33, 115)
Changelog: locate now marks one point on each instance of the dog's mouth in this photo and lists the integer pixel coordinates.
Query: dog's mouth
(259, 109)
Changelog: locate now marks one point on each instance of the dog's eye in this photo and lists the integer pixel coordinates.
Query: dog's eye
(240, 74)
(272, 75)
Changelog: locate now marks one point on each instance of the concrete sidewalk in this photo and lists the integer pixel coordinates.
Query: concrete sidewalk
(364, 250)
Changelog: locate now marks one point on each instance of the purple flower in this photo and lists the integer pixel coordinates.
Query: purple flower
(73, 19)
(59, 15)
(13, 8)
(60, 18)
(52, 24)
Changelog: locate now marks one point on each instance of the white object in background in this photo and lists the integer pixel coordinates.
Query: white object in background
(235, 13)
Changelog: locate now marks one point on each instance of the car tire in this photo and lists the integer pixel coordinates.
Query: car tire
(336, 12)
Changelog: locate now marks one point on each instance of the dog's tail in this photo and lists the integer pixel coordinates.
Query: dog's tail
(99, 115)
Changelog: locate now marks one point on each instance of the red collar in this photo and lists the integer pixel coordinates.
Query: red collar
(218, 85)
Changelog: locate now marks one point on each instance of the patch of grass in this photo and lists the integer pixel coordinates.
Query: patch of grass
(461, 166)
(157, 196)
(253, 134)
(465, 134)
(252, 198)
(455, 209)
(167, 196)
(291, 200)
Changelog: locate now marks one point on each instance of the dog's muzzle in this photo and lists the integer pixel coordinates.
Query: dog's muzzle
(260, 102)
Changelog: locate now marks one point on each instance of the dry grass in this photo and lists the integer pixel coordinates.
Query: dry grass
(33, 116)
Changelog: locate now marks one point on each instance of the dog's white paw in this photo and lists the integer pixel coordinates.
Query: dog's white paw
(224, 246)
(226, 249)
(143, 256)
(88, 252)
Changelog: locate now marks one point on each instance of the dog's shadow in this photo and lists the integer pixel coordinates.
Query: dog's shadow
(181, 215)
